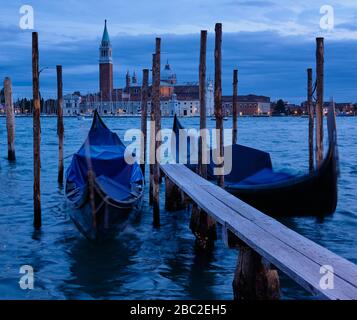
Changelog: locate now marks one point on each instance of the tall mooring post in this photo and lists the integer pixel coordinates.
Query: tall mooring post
(152, 137)
(10, 119)
(310, 110)
(218, 102)
(235, 107)
(201, 224)
(36, 132)
(320, 99)
(157, 115)
(202, 154)
(144, 104)
(60, 127)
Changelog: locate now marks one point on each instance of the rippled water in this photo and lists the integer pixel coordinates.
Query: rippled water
(144, 262)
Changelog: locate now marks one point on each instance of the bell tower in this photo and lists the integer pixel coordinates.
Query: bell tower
(105, 66)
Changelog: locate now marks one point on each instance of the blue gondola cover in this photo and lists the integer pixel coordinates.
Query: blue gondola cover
(104, 152)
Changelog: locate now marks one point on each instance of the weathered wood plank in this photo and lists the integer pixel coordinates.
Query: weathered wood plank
(298, 257)
(323, 256)
(343, 268)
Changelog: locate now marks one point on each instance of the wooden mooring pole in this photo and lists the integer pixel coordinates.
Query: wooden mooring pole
(60, 127)
(310, 110)
(202, 161)
(144, 103)
(320, 99)
(152, 137)
(10, 119)
(218, 101)
(36, 132)
(157, 115)
(201, 224)
(235, 107)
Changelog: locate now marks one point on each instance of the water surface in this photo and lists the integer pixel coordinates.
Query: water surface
(144, 262)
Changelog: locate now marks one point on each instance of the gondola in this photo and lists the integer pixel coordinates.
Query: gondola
(253, 180)
(103, 200)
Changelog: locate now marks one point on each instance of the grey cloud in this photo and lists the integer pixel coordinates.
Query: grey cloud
(268, 63)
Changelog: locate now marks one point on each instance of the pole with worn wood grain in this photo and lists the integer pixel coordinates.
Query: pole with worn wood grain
(202, 154)
(320, 99)
(60, 126)
(10, 119)
(310, 110)
(152, 137)
(218, 102)
(202, 225)
(36, 132)
(235, 107)
(157, 116)
(144, 104)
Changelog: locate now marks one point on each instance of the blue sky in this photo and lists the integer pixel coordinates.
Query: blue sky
(271, 43)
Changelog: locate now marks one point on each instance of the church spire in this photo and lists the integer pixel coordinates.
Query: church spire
(127, 79)
(105, 49)
(134, 79)
(105, 38)
(105, 66)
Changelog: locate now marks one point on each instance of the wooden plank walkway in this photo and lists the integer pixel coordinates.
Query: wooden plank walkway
(298, 257)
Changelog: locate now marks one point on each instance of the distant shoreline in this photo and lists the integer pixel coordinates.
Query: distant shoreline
(139, 116)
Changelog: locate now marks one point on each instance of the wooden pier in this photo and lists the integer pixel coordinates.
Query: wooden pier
(318, 270)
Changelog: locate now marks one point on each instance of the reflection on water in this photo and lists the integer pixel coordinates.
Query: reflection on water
(144, 262)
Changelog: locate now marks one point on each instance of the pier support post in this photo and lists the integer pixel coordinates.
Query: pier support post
(144, 103)
(235, 107)
(157, 115)
(310, 110)
(218, 100)
(203, 227)
(10, 119)
(60, 127)
(173, 196)
(319, 98)
(201, 224)
(36, 132)
(254, 280)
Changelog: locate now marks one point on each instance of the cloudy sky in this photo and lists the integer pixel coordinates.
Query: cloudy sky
(271, 42)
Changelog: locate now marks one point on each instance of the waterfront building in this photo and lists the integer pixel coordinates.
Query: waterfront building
(72, 105)
(248, 105)
(176, 98)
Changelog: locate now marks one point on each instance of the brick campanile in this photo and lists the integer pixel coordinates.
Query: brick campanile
(105, 67)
